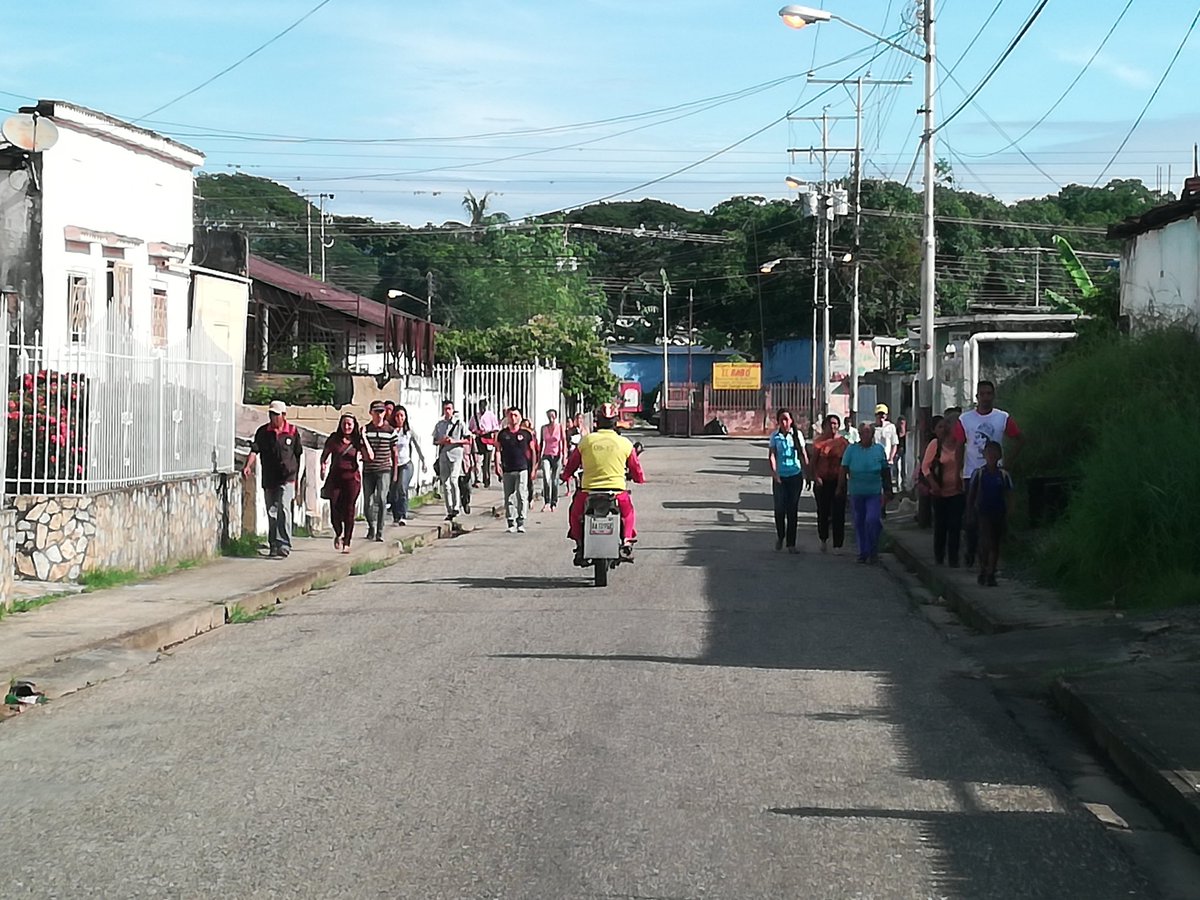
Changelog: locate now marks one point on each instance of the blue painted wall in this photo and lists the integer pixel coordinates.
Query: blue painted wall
(788, 362)
(647, 370)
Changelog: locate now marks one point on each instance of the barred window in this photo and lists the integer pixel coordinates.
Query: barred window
(158, 317)
(79, 307)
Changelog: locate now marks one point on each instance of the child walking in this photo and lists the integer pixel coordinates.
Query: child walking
(987, 501)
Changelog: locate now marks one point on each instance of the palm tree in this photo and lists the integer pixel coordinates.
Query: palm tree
(476, 207)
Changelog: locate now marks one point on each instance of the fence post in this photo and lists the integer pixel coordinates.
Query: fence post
(158, 427)
(456, 386)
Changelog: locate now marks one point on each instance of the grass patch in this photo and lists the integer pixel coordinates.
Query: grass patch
(367, 566)
(422, 500)
(242, 547)
(319, 584)
(1116, 416)
(99, 579)
(239, 615)
(301, 531)
(21, 606)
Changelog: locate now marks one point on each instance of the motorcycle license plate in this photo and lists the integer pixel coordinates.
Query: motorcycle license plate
(605, 526)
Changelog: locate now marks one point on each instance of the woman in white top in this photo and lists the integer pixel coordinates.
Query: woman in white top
(406, 448)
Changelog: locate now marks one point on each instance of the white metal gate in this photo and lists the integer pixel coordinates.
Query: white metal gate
(530, 387)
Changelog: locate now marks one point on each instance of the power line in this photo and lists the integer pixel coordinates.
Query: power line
(1157, 87)
(1062, 96)
(995, 66)
(233, 66)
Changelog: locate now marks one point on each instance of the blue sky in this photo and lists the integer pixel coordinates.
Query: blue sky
(417, 101)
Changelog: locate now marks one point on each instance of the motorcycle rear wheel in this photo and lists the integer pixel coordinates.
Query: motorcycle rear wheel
(601, 567)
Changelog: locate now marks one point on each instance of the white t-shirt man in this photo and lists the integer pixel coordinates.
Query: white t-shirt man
(887, 438)
(974, 429)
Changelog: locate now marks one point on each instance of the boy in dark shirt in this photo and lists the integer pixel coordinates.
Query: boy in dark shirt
(987, 500)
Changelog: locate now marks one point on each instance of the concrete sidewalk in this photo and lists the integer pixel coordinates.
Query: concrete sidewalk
(82, 639)
(1129, 681)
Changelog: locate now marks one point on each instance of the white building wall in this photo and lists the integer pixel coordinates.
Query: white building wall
(104, 177)
(1160, 276)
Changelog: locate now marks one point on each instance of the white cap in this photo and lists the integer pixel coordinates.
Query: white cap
(277, 406)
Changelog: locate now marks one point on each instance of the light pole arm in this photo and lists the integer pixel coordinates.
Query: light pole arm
(920, 56)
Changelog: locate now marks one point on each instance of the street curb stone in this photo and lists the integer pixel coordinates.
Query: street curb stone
(1162, 786)
(111, 657)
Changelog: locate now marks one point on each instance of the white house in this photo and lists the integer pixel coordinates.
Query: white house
(1160, 263)
(111, 208)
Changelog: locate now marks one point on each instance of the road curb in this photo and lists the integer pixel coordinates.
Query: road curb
(102, 660)
(971, 613)
(1171, 795)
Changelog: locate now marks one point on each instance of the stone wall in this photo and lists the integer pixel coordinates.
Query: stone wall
(8, 547)
(58, 538)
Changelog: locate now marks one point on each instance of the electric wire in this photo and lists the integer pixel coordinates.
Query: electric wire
(234, 65)
(1157, 87)
(1033, 16)
(1061, 97)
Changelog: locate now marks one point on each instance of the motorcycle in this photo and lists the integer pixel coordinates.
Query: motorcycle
(603, 548)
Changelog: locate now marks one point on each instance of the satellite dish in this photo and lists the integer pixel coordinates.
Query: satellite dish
(29, 132)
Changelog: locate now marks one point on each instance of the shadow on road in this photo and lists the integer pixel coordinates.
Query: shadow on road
(515, 582)
(1002, 827)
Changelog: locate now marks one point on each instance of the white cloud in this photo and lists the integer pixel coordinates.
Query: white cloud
(1133, 76)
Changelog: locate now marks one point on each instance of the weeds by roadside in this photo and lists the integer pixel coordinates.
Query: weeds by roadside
(100, 579)
(367, 566)
(1115, 419)
(239, 615)
(21, 606)
(242, 547)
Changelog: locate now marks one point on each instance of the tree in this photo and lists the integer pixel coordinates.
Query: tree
(572, 341)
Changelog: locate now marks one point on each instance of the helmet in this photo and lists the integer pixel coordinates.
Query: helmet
(605, 415)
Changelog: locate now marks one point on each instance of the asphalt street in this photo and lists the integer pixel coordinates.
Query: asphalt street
(477, 721)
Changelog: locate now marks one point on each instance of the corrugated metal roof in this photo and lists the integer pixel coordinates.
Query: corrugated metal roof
(349, 304)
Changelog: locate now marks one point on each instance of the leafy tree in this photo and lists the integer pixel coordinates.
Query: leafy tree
(571, 341)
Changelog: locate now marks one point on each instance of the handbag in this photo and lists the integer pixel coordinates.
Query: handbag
(326, 491)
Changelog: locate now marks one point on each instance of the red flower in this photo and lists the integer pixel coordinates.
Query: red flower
(14, 416)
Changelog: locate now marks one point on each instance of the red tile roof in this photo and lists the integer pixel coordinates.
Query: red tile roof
(349, 304)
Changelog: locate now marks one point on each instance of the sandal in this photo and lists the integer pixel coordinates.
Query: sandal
(346, 547)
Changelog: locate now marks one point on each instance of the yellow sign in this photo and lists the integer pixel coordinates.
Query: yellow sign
(737, 376)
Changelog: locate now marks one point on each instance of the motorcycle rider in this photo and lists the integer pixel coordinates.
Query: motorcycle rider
(606, 458)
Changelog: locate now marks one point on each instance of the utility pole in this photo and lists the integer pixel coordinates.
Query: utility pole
(324, 246)
(429, 296)
(825, 210)
(662, 405)
(855, 306)
(691, 342)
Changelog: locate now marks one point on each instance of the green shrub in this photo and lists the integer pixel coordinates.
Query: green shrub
(1122, 418)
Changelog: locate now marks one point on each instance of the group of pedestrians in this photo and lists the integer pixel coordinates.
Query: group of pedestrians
(838, 470)
(968, 489)
(960, 470)
(510, 450)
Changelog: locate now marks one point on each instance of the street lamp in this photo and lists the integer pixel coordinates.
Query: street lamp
(801, 16)
(394, 293)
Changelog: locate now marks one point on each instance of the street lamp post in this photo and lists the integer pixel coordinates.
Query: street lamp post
(800, 16)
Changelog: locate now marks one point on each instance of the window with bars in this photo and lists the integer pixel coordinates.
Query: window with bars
(158, 317)
(79, 307)
(120, 296)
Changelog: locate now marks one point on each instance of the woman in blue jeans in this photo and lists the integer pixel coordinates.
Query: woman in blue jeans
(865, 473)
(788, 459)
(406, 448)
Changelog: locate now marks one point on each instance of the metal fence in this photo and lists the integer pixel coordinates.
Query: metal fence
(114, 412)
(502, 386)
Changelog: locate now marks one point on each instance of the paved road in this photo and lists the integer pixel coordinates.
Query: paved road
(721, 722)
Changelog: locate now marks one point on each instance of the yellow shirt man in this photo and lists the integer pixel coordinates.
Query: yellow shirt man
(605, 456)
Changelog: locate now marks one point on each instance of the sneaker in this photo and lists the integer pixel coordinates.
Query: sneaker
(520, 529)
(371, 534)
(824, 546)
(511, 529)
(792, 550)
(778, 545)
(466, 509)
(378, 538)
(991, 580)
(401, 522)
